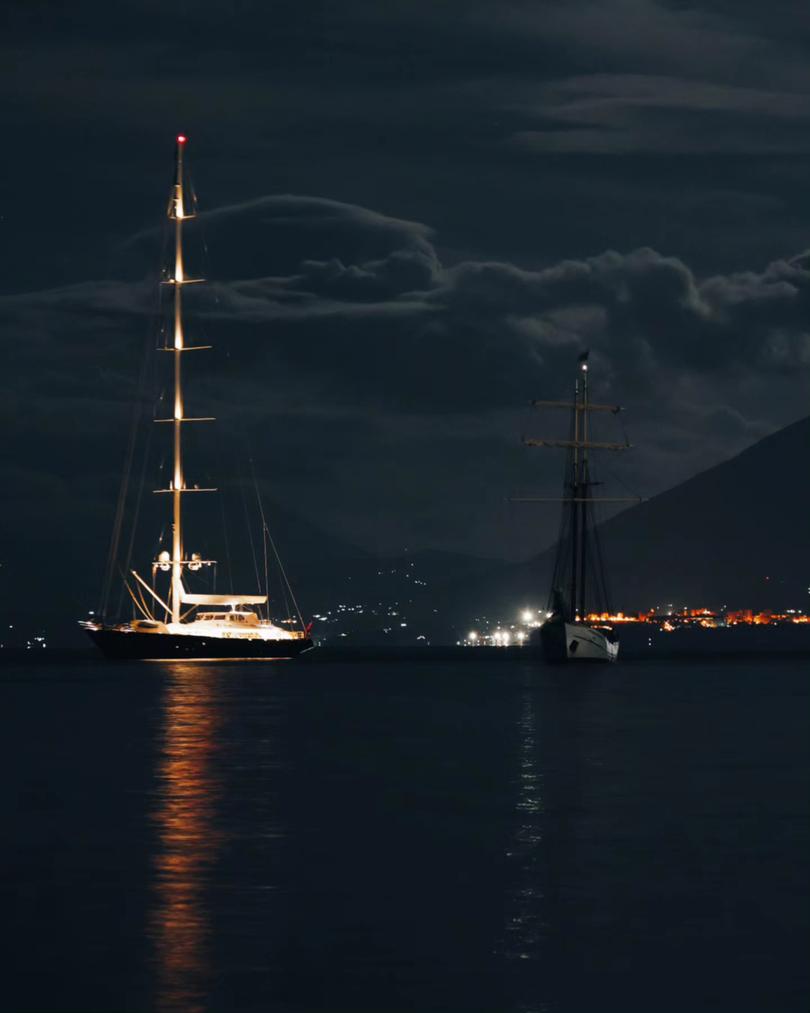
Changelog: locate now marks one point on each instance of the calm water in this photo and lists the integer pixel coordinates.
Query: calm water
(389, 837)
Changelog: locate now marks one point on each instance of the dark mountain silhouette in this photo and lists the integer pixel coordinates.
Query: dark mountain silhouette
(736, 534)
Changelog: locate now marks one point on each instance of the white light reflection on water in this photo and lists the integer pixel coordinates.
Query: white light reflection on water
(188, 788)
(522, 941)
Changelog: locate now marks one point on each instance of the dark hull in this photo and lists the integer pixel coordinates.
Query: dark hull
(552, 641)
(120, 645)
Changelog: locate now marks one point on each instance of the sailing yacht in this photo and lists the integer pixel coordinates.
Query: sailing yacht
(578, 587)
(175, 623)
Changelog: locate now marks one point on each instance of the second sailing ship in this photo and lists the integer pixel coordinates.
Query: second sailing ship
(579, 586)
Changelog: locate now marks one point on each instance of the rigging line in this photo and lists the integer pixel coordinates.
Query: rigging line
(283, 585)
(624, 485)
(136, 603)
(125, 584)
(144, 607)
(264, 539)
(286, 587)
(143, 603)
(287, 605)
(136, 411)
(221, 469)
(275, 551)
(154, 588)
(138, 500)
(264, 525)
(284, 575)
(153, 330)
(115, 537)
(227, 543)
(249, 528)
(613, 474)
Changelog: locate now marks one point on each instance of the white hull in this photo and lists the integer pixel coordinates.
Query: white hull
(576, 642)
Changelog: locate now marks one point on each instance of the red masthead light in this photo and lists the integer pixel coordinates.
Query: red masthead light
(181, 139)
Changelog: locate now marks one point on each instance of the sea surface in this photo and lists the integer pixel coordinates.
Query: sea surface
(405, 836)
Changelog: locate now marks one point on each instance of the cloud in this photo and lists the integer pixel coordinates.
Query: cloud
(654, 37)
(369, 349)
(286, 234)
(646, 113)
(322, 214)
(494, 323)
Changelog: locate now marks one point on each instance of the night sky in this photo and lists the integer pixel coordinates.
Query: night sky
(414, 216)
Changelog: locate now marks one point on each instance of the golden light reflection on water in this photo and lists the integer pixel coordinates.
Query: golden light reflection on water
(188, 789)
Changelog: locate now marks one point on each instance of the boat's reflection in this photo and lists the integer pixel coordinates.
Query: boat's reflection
(188, 788)
(523, 941)
(547, 790)
(522, 930)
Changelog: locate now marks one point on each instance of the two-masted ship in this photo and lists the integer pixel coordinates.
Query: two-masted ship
(173, 623)
(579, 587)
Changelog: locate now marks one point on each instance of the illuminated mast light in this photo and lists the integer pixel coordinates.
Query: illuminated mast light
(178, 483)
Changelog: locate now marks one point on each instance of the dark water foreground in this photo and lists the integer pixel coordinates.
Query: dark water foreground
(434, 836)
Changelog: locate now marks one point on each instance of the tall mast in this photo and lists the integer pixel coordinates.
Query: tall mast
(585, 488)
(177, 486)
(575, 497)
(177, 212)
(573, 547)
